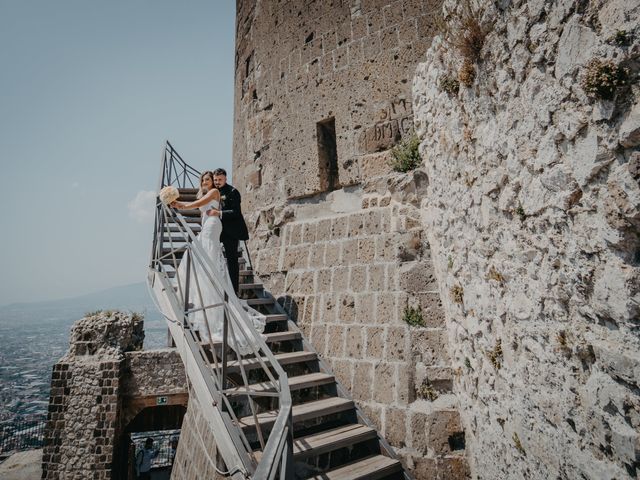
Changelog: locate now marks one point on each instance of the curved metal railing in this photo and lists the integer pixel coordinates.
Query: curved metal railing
(179, 299)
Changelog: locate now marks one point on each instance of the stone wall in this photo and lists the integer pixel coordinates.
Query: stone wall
(83, 423)
(532, 213)
(98, 388)
(303, 62)
(347, 270)
(196, 455)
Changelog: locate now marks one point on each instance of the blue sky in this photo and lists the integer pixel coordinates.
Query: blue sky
(89, 91)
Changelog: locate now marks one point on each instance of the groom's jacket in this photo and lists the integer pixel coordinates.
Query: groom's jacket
(233, 226)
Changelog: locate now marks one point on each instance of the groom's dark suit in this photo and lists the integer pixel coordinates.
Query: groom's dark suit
(233, 229)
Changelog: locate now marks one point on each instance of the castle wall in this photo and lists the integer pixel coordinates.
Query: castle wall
(98, 388)
(345, 250)
(532, 215)
(301, 62)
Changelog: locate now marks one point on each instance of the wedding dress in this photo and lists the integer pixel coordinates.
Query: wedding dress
(204, 293)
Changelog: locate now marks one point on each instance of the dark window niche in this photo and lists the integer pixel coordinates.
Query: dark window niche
(327, 154)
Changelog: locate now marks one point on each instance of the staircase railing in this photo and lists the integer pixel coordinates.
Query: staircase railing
(179, 299)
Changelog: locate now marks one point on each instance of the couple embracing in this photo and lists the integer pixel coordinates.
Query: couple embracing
(222, 223)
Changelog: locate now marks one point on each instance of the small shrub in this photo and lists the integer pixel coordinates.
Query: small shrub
(413, 317)
(621, 38)
(520, 213)
(426, 391)
(457, 294)
(467, 363)
(93, 313)
(467, 33)
(602, 78)
(449, 262)
(467, 73)
(518, 444)
(450, 85)
(495, 355)
(495, 275)
(406, 155)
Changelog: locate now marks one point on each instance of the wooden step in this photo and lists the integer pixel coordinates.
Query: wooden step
(271, 338)
(251, 286)
(375, 467)
(174, 229)
(188, 190)
(260, 301)
(171, 220)
(329, 440)
(298, 382)
(276, 317)
(282, 358)
(302, 412)
(181, 239)
(190, 213)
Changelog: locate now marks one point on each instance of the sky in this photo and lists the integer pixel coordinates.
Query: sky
(89, 92)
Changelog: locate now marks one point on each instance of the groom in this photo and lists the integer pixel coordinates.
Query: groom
(233, 226)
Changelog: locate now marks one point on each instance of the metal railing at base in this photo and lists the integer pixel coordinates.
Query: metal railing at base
(23, 434)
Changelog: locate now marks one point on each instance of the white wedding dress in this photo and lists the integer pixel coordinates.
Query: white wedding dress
(203, 292)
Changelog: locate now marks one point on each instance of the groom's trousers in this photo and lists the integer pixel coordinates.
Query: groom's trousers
(231, 252)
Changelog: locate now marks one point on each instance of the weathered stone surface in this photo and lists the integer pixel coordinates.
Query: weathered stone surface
(529, 213)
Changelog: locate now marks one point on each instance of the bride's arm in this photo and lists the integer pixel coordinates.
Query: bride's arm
(213, 194)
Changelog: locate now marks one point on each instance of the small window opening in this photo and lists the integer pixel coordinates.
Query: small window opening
(327, 154)
(309, 38)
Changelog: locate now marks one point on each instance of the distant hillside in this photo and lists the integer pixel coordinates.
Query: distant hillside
(133, 297)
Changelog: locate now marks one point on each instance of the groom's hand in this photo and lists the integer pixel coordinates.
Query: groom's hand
(213, 212)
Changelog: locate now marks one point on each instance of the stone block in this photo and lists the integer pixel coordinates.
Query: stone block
(308, 314)
(373, 414)
(339, 279)
(372, 221)
(429, 346)
(358, 278)
(309, 232)
(386, 308)
(294, 234)
(440, 426)
(392, 13)
(326, 308)
(332, 253)
(385, 383)
(417, 277)
(323, 232)
(324, 280)
(362, 381)
(349, 252)
(316, 258)
(356, 225)
(335, 341)
(318, 337)
(395, 430)
(366, 250)
(425, 468)
(339, 226)
(365, 308)
(375, 341)
(296, 258)
(406, 386)
(397, 343)
(343, 370)
(453, 468)
(432, 311)
(376, 164)
(346, 308)
(377, 278)
(354, 345)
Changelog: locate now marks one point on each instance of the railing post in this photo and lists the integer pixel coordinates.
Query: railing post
(225, 336)
(186, 288)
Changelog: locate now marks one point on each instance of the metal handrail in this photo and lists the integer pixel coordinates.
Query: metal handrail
(277, 450)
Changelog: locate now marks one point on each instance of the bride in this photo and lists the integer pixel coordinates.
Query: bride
(207, 297)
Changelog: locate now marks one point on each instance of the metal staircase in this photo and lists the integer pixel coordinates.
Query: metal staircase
(278, 411)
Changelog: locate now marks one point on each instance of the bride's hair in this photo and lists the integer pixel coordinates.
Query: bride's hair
(201, 191)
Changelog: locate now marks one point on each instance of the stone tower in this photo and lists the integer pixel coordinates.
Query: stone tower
(322, 92)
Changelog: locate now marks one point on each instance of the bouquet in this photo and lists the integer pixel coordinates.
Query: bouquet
(168, 195)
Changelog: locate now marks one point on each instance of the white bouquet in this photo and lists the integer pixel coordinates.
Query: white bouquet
(168, 195)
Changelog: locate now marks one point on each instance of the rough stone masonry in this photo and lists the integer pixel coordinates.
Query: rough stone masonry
(532, 212)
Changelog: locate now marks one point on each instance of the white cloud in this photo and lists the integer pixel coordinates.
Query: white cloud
(142, 207)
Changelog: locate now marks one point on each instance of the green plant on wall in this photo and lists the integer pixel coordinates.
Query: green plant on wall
(406, 155)
(602, 78)
(413, 317)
